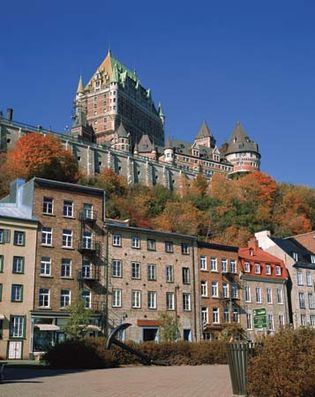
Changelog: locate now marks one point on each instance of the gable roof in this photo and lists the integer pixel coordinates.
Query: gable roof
(121, 131)
(290, 246)
(240, 142)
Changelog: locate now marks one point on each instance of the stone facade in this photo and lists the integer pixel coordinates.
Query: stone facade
(307, 240)
(162, 268)
(17, 267)
(219, 287)
(264, 284)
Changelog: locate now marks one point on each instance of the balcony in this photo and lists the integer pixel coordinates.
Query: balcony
(88, 274)
(88, 246)
(88, 216)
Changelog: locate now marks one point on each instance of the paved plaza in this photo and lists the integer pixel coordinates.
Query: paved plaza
(183, 381)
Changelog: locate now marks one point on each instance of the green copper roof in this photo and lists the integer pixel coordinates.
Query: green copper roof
(80, 88)
(122, 69)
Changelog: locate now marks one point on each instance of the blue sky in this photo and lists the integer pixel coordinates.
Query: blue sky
(221, 61)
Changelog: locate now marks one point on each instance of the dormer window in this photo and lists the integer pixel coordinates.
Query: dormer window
(247, 267)
(278, 270)
(312, 258)
(268, 269)
(295, 256)
(257, 268)
(251, 252)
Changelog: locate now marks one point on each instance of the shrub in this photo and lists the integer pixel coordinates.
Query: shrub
(86, 353)
(284, 365)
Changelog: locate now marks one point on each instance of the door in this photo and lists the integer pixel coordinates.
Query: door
(15, 350)
(150, 334)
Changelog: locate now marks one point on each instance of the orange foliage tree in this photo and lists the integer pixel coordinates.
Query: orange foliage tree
(43, 156)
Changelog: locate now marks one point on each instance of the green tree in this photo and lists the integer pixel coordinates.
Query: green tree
(169, 331)
(76, 327)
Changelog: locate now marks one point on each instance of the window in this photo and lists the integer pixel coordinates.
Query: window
(268, 269)
(151, 272)
(65, 298)
(258, 295)
(235, 315)
(299, 276)
(5, 236)
(311, 301)
(151, 245)
(204, 288)
(303, 320)
(18, 264)
(44, 297)
(203, 263)
(135, 270)
(1, 263)
(17, 293)
(257, 268)
(233, 266)
(213, 264)
(204, 316)
(86, 297)
(66, 268)
(117, 240)
(67, 238)
(170, 301)
(48, 206)
(278, 270)
(47, 236)
(312, 320)
(247, 267)
(186, 275)
(116, 298)
(87, 240)
(234, 291)
(295, 256)
(88, 212)
(168, 246)
(86, 270)
(135, 242)
(185, 249)
(248, 297)
(281, 320)
(279, 295)
(151, 300)
(225, 289)
(249, 321)
(270, 321)
(309, 280)
(136, 299)
(312, 258)
(19, 238)
(1, 289)
(226, 315)
(17, 326)
(269, 295)
(215, 315)
(68, 208)
(214, 289)
(45, 266)
(116, 268)
(1, 236)
(186, 302)
(224, 265)
(302, 300)
(169, 274)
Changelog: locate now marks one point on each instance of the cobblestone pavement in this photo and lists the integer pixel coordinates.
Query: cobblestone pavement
(184, 381)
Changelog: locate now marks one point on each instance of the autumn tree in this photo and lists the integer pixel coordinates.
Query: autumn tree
(42, 156)
(111, 182)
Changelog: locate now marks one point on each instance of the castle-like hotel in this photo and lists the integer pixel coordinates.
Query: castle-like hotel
(117, 125)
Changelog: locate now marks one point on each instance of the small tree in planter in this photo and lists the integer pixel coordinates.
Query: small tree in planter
(169, 331)
(76, 327)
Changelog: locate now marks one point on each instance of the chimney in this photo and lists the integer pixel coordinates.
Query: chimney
(10, 114)
(253, 244)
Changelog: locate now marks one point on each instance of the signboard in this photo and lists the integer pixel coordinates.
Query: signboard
(260, 318)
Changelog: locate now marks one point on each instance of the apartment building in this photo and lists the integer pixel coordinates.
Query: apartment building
(18, 231)
(219, 287)
(264, 283)
(151, 272)
(307, 240)
(300, 263)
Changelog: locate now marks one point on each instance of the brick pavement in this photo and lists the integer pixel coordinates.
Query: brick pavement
(184, 381)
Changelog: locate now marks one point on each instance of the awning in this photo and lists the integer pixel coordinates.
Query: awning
(92, 327)
(2, 316)
(47, 327)
(148, 323)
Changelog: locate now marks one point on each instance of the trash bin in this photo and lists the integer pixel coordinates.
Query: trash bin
(237, 355)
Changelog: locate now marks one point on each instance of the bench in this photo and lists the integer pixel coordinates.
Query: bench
(2, 366)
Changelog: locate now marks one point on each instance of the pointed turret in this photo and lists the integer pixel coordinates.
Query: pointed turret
(121, 139)
(121, 131)
(204, 136)
(80, 89)
(240, 142)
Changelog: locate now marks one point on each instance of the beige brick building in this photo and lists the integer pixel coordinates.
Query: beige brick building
(17, 266)
(307, 240)
(152, 272)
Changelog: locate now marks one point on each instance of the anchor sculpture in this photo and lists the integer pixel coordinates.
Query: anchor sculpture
(146, 360)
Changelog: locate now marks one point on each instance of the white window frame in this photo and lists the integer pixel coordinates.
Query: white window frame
(257, 268)
(44, 298)
(67, 238)
(136, 299)
(269, 295)
(280, 296)
(186, 302)
(204, 315)
(204, 288)
(17, 326)
(225, 290)
(45, 266)
(117, 297)
(213, 264)
(116, 240)
(246, 267)
(203, 263)
(135, 270)
(152, 300)
(268, 269)
(278, 270)
(67, 209)
(48, 206)
(170, 301)
(116, 268)
(233, 264)
(258, 295)
(215, 315)
(224, 265)
(169, 273)
(135, 242)
(152, 272)
(66, 268)
(65, 297)
(214, 289)
(86, 296)
(47, 236)
(247, 293)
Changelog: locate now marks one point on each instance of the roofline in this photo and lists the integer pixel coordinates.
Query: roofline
(249, 277)
(152, 231)
(35, 221)
(301, 234)
(223, 247)
(66, 185)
